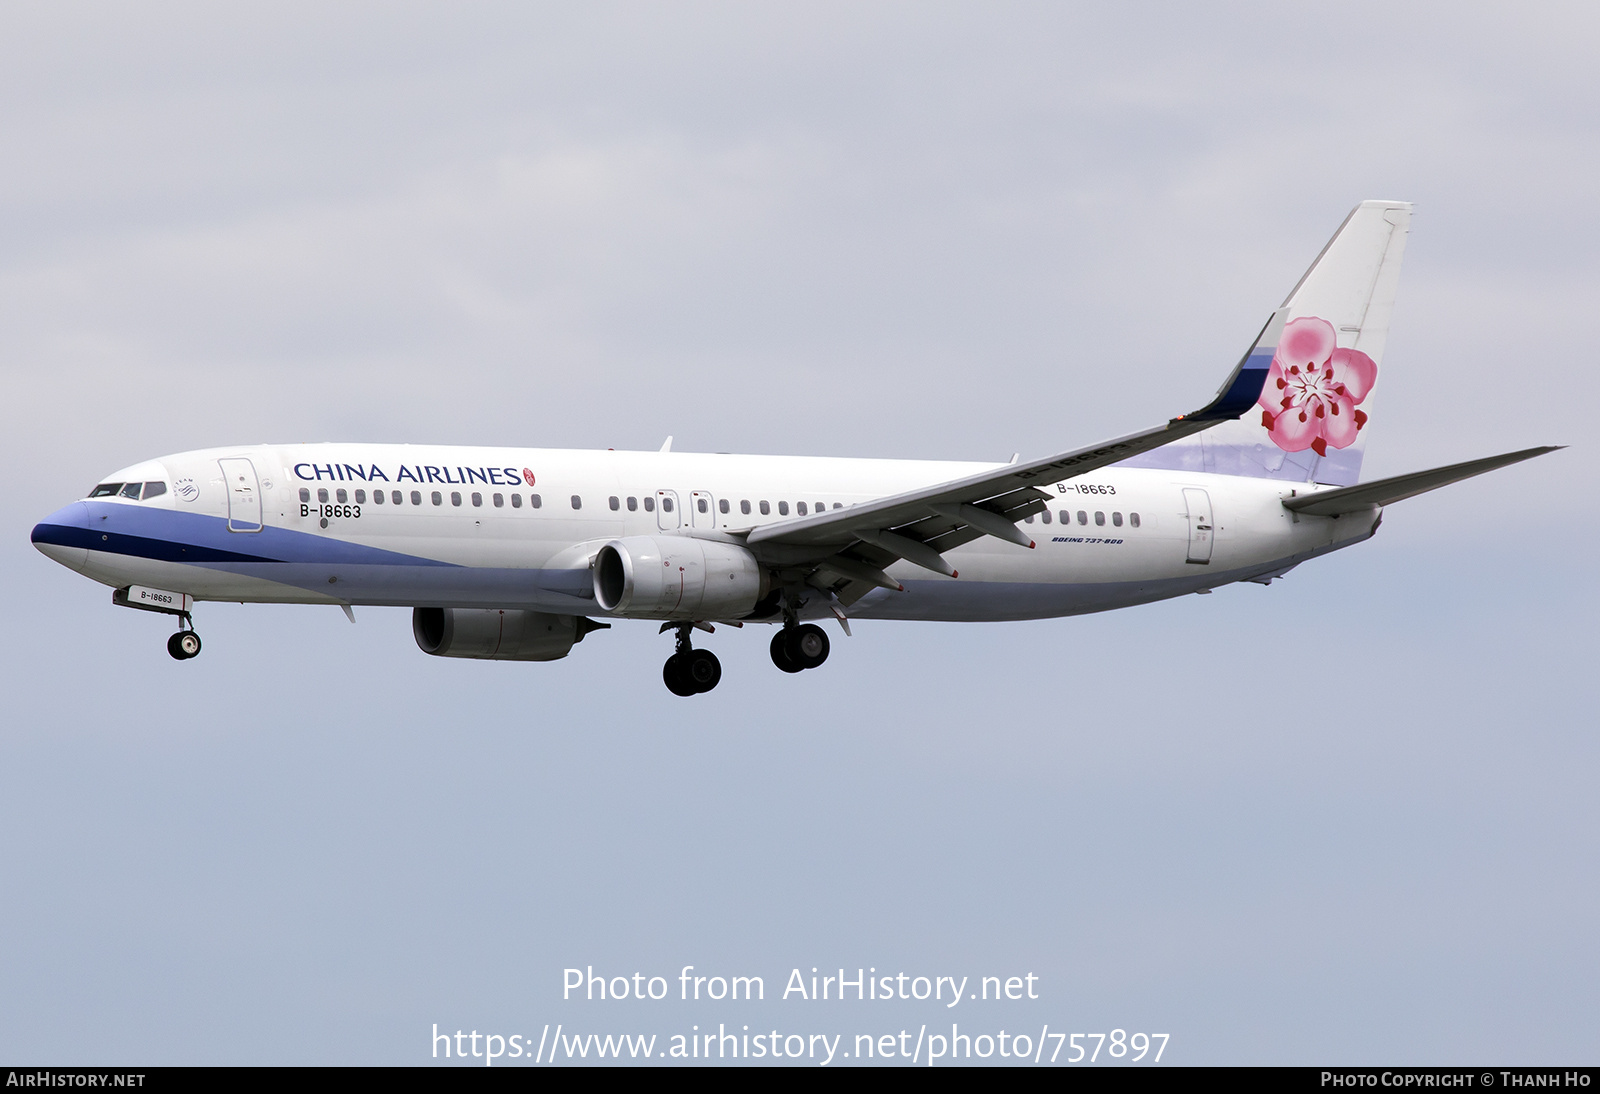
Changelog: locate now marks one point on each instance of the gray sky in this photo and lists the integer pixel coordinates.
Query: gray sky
(1349, 818)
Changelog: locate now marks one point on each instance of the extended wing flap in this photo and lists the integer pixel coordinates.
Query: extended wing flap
(1350, 499)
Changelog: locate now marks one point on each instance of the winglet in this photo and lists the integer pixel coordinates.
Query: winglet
(1243, 387)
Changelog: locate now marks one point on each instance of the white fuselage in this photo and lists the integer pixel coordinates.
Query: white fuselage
(517, 528)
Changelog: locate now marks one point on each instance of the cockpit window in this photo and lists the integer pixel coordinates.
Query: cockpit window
(131, 491)
(154, 490)
(106, 490)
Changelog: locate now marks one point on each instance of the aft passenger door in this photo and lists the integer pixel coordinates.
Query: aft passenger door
(1200, 526)
(244, 495)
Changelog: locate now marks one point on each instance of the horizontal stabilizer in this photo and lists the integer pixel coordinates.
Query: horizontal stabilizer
(1350, 499)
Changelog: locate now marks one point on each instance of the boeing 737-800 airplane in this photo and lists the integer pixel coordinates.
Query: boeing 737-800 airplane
(517, 554)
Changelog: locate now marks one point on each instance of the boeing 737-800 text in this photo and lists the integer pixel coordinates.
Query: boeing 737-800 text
(517, 554)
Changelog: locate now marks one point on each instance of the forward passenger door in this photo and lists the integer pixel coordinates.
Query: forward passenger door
(244, 495)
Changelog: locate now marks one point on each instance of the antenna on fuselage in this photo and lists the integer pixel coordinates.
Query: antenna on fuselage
(666, 445)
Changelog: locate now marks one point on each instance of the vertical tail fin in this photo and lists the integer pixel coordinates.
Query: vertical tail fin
(1326, 349)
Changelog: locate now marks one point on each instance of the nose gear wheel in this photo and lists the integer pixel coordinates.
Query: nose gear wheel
(184, 645)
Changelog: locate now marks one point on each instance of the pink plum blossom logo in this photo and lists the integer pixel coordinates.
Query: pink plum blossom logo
(1313, 389)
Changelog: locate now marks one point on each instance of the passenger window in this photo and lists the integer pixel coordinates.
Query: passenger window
(106, 490)
(1027, 520)
(1116, 518)
(322, 495)
(438, 498)
(633, 505)
(800, 508)
(783, 508)
(1065, 516)
(477, 499)
(416, 497)
(1045, 516)
(649, 505)
(1133, 519)
(499, 500)
(819, 507)
(361, 497)
(1083, 518)
(455, 497)
(1099, 517)
(305, 495)
(397, 497)
(377, 497)
(838, 505)
(615, 503)
(340, 496)
(702, 506)
(722, 504)
(534, 501)
(765, 508)
(744, 507)
(154, 490)
(131, 491)
(666, 505)
(577, 502)
(516, 501)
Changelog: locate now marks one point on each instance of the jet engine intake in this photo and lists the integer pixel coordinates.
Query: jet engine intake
(676, 577)
(498, 634)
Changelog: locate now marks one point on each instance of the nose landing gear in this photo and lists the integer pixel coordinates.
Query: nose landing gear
(184, 645)
(690, 671)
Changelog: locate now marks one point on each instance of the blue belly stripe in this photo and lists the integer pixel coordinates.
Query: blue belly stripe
(138, 546)
(174, 536)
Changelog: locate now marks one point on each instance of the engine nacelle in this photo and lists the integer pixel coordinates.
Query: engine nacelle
(675, 577)
(497, 634)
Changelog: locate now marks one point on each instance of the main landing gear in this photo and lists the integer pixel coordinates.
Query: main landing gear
(690, 671)
(797, 648)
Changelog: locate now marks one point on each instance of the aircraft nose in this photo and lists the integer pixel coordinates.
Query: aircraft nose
(64, 535)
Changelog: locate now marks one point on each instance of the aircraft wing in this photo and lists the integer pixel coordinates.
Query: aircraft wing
(1350, 499)
(919, 525)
